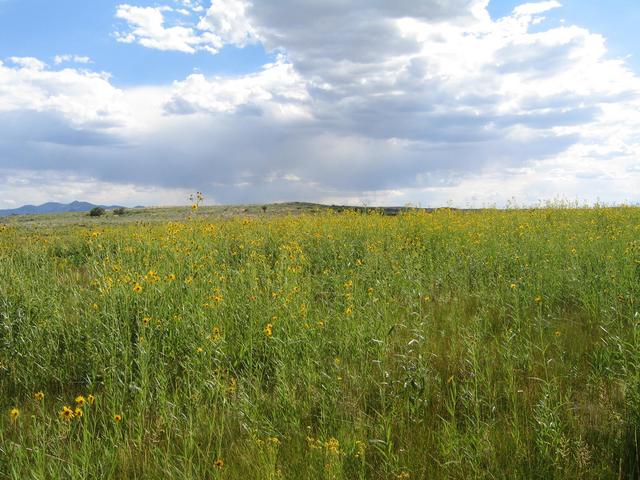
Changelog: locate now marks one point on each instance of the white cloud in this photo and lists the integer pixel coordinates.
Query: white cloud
(277, 90)
(83, 98)
(67, 58)
(535, 8)
(225, 22)
(28, 63)
(147, 27)
(227, 19)
(192, 5)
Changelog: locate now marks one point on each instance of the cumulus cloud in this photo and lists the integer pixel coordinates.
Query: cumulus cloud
(227, 19)
(367, 101)
(277, 90)
(147, 27)
(85, 99)
(225, 22)
(28, 63)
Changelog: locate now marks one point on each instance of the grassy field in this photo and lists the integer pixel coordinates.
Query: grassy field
(252, 345)
(167, 214)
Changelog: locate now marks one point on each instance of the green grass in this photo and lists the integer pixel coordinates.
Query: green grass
(487, 344)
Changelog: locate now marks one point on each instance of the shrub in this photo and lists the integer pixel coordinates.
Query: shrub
(120, 211)
(96, 212)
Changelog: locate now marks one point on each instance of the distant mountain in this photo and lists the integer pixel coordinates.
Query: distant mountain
(53, 207)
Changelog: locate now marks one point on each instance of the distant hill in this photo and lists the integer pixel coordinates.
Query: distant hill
(53, 207)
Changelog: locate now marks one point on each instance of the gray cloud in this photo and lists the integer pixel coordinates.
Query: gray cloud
(52, 127)
(213, 152)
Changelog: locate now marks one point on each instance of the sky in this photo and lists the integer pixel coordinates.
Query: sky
(464, 103)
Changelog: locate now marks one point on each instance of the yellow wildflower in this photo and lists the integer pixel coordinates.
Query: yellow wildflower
(39, 396)
(268, 329)
(137, 288)
(80, 400)
(333, 446)
(117, 418)
(314, 443)
(66, 413)
(360, 448)
(14, 413)
(216, 334)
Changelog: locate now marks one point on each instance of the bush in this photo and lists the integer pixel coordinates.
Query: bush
(96, 212)
(120, 211)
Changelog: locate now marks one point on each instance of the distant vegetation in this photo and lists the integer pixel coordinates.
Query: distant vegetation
(486, 344)
(97, 212)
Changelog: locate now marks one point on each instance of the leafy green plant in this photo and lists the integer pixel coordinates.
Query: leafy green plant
(96, 212)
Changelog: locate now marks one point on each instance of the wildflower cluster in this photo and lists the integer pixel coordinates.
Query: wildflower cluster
(453, 333)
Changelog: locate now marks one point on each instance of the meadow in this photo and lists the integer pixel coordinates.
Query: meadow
(353, 345)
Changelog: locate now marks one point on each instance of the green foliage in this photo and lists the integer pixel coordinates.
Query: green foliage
(489, 344)
(119, 211)
(97, 212)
